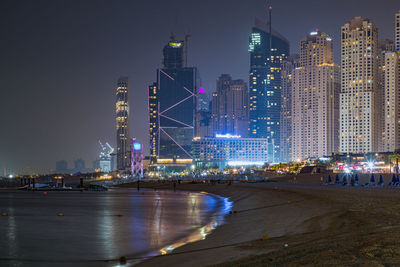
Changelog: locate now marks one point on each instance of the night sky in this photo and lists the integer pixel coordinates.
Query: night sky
(60, 61)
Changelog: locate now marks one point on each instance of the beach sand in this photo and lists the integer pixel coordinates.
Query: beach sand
(303, 224)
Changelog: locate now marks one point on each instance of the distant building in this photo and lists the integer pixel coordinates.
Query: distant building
(203, 100)
(360, 97)
(315, 99)
(79, 165)
(204, 124)
(122, 121)
(288, 67)
(232, 150)
(268, 49)
(172, 107)
(230, 107)
(397, 31)
(105, 163)
(62, 166)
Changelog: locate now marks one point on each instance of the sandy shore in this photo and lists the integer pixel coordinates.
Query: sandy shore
(307, 224)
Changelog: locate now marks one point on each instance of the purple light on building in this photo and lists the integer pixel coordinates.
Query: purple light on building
(202, 91)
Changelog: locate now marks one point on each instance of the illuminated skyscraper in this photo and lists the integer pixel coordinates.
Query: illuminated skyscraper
(122, 120)
(230, 107)
(288, 67)
(315, 99)
(391, 82)
(267, 52)
(172, 107)
(360, 97)
(392, 102)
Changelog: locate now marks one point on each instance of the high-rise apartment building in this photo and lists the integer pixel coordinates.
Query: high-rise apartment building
(315, 106)
(391, 84)
(392, 102)
(230, 107)
(268, 49)
(172, 107)
(360, 97)
(122, 120)
(397, 31)
(288, 67)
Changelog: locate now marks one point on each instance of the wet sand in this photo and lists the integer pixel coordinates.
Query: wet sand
(303, 224)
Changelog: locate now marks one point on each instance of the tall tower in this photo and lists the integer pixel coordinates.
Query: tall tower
(122, 119)
(397, 31)
(315, 106)
(172, 107)
(360, 97)
(392, 102)
(230, 105)
(288, 67)
(268, 49)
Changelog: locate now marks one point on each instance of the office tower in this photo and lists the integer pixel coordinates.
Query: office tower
(360, 97)
(204, 124)
(288, 67)
(79, 165)
(230, 113)
(397, 30)
(267, 50)
(315, 106)
(61, 166)
(172, 107)
(392, 102)
(203, 100)
(122, 120)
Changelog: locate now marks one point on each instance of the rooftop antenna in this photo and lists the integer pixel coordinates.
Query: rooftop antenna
(174, 28)
(187, 36)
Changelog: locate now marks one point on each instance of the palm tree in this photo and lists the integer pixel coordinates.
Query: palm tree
(395, 158)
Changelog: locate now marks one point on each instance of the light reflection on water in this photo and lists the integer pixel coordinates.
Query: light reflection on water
(102, 225)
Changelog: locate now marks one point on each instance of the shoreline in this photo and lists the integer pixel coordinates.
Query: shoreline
(303, 223)
(247, 199)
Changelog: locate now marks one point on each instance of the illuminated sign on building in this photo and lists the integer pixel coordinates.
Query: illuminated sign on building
(227, 136)
(175, 44)
(137, 146)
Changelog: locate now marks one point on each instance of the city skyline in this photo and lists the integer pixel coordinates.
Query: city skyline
(19, 149)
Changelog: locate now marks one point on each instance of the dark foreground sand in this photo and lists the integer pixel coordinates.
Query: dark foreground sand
(307, 224)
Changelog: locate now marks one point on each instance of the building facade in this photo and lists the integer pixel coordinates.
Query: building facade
(392, 102)
(315, 105)
(268, 49)
(172, 107)
(360, 97)
(397, 31)
(224, 150)
(288, 67)
(230, 107)
(122, 122)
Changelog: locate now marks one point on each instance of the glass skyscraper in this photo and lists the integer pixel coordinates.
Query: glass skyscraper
(266, 56)
(122, 121)
(172, 107)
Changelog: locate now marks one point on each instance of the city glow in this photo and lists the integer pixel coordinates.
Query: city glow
(245, 163)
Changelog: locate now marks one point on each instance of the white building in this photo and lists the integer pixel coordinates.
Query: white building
(315, 108)
(392, 101)
(361, 124)
(230, 150)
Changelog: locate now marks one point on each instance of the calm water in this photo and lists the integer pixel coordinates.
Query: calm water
(99, 226)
